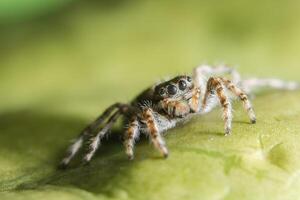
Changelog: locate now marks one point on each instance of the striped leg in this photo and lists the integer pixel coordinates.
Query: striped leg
(243, 97)
(131, 135)
(159, 143)
(200, 74)
(214, 84)
(96, 141)
(75, 147)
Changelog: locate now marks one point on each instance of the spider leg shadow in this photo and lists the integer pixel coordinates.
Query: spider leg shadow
(38, 140)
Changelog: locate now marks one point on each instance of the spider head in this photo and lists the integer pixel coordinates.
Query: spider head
(176, 88)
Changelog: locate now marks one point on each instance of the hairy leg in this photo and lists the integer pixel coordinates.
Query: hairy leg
(215, 85)
(243, 97)
(88, 131)
(131, 135)
(157, 140)
(200, 75)
(72, 150)
(96, 141)
(255, 83)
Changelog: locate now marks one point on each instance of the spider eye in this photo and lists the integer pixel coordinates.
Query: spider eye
(172, 89)
(161, 91)
(189, 79)
(182, 85)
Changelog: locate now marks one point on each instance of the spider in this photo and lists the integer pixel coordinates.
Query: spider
(166, 104)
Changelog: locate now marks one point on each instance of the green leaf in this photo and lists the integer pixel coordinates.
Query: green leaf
(57, 76)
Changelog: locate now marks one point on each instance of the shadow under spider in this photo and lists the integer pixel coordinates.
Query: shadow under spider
(30, 133)
(25, 133)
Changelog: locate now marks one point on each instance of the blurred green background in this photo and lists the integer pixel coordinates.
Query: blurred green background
(63, 61)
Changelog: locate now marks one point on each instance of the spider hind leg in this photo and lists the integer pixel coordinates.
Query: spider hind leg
(96, 140)
(88, 132)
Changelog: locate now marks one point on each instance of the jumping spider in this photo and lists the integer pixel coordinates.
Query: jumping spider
(164, 105)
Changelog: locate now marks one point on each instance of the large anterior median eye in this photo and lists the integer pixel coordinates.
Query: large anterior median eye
(182, 84)
(172, 89)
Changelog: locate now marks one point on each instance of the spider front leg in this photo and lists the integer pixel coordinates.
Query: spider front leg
(153, 130)
(131, 135)
(215, 85)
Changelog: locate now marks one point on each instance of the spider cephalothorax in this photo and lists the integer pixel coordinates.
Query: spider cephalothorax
(168, 103)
